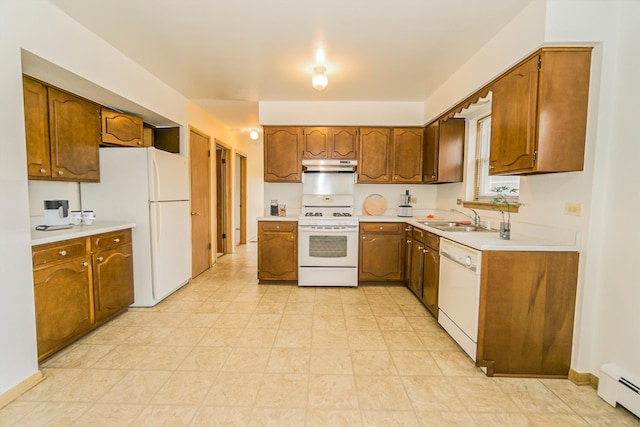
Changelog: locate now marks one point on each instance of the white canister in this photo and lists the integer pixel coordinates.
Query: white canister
(88, 217)
(76, 217)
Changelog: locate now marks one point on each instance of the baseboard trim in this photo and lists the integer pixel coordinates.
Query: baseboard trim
(13, 393)
(583, 378)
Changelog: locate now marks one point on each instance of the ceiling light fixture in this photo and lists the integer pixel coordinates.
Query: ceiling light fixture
(254, 134)
(319, 79)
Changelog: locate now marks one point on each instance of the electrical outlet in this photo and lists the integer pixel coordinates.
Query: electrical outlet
(459, 202)
(574, 209)
(414, 200)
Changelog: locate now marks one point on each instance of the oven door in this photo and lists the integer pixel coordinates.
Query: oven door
(328, 245)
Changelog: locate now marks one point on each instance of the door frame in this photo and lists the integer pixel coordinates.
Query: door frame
(226, 198)
(241, 194)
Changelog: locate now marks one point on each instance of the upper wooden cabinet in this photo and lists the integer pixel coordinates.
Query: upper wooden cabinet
(374, 155)
(390, 155)
(539, 113)
(66, 126)
(122, 129)
(282, 154)
(406, 155)
(444, 151)
(329, 143)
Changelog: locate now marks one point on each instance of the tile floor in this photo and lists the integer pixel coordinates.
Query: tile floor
(227, 351)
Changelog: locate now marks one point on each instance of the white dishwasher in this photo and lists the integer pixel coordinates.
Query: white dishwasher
(459, 293)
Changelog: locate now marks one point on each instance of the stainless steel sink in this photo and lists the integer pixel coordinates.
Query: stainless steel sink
(453, 226)
(461, 227)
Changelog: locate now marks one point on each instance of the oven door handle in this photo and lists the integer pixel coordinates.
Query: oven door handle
(328, 230)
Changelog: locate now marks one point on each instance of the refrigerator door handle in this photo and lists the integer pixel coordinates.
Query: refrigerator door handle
(156, 179)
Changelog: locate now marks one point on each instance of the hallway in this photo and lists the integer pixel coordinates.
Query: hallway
(224, 350)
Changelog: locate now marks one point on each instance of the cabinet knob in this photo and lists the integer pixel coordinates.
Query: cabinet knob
(116, 240)
(420, 248)
(278, 227)
(85, 264)
(60, 172)
(433, 177)
(408, 241)
(195, 213)
(139, 142)
(381, 227)
(100, 259)
(43, 170)
(425, 251)
(491, 167)
(364, 238)
(63, 253)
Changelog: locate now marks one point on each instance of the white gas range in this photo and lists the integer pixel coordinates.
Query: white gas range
(327, 228)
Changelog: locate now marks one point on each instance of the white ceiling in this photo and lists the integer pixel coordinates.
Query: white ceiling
(228, 55)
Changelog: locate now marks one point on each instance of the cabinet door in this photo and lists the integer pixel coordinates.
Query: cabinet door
(430, 162)
(121, 129)
(277, 251)
(407, 155)
(374, 155)
(63, 304)
(36, 120)
(513, 119)
(74, 129)
(431, 269)
(344, 143)
(112, 281)
(417, 268)
(381, 257)
(282, 154)
(315, 143)
(450, 150)
(408, 242)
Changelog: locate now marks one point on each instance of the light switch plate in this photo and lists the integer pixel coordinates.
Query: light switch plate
(574, 209)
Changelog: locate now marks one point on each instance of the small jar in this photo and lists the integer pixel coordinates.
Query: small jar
(282, 210)
(274, 208)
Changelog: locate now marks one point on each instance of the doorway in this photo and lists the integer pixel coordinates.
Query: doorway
(223, 196)
(241, 199)
(199, 155)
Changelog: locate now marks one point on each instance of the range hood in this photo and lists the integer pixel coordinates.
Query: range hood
(329, 165)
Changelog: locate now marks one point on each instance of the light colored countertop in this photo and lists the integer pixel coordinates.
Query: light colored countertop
(532, 238)
(41, 237)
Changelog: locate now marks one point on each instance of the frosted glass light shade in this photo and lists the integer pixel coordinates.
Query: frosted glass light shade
(319, 79)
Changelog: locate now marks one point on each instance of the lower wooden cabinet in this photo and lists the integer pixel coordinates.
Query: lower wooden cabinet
(75, 291)
(112, 262)
(277, 250)
(527, 309)
(431, 272)
(381, 252)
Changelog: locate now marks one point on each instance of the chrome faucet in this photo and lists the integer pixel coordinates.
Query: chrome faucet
(475, 218)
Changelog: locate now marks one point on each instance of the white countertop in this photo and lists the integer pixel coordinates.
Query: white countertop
(40, 237)
(535, 240)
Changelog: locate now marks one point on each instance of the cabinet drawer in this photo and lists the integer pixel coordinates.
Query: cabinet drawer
(419, 234)
(431, 240)
(277, 226)
(381, 227)
(59, 251)
(110, 240)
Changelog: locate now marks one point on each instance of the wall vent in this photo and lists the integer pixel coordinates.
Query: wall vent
(616, 386)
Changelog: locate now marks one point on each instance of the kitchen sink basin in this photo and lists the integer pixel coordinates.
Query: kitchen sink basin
(461, 227)
(453, 226)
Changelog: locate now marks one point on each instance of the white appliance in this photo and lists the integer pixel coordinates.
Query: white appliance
(327, 228)
(56, 212)
(459, 294)
(149, 187)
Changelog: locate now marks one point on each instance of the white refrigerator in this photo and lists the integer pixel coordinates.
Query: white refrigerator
(149, 187)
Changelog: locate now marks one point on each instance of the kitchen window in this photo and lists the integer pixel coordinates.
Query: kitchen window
(485, 183)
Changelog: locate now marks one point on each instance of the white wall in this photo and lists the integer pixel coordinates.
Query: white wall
(36, 30)
(610, 317)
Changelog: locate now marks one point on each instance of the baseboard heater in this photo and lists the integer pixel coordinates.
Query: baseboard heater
(616, 386)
